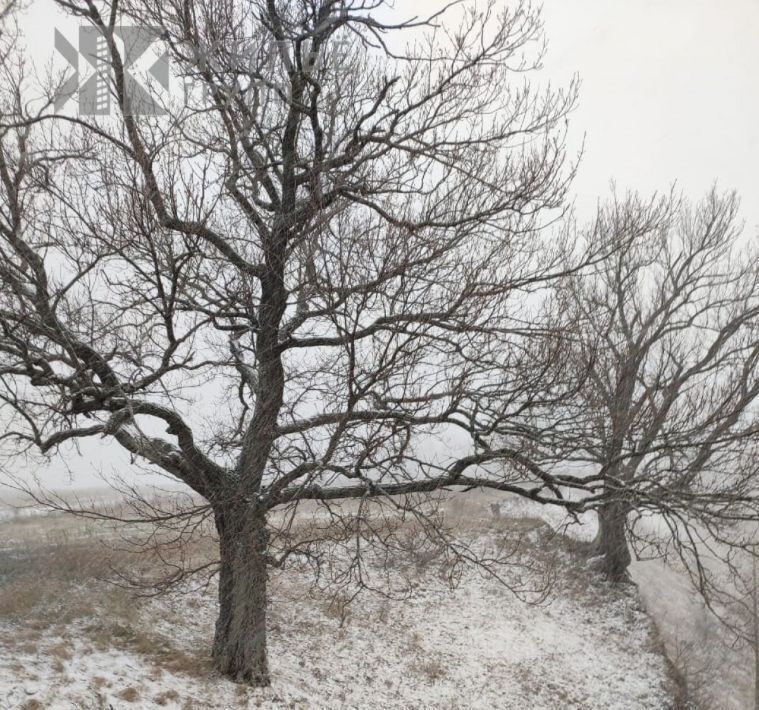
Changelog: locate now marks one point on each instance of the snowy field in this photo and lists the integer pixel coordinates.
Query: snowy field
(70, 641)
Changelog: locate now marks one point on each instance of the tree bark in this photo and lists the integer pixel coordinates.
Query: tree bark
(611, 541)
(239, 650)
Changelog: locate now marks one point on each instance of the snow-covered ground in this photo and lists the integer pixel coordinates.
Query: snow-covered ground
(474, 646)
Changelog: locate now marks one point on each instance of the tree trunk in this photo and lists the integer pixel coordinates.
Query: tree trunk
(611, 541)
(239, 650)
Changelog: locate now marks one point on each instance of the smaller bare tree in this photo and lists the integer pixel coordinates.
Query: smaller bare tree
(668, 334)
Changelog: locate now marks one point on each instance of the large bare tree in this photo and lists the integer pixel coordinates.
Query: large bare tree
(346, 238)
(668, 341)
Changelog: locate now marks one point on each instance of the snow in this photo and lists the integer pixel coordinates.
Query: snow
(588, 647)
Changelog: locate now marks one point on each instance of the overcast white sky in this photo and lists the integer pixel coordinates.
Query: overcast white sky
(670, 92)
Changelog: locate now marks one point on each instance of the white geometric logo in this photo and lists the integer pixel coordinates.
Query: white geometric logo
(93, 82)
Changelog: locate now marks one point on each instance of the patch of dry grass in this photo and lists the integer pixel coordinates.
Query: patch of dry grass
(40, 582)
(130, 694)
(127, 631)
(168, 696)
(47, 588)
(432, 668)
(60, 651)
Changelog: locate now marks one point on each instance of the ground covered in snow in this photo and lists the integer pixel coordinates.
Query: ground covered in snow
(70, 641)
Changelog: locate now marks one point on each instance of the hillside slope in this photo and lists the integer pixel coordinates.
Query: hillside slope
(68, 641)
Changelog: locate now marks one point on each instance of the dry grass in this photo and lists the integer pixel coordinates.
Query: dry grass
(40, 582)
(27, 647)
(131, 694)
(125, 630)
(431, 669)
(48, 587)
(19, 597)
(60, 651)
(168, 696)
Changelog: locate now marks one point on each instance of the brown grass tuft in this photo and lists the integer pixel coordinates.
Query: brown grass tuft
(166, 697)
(60, 651)
(131, 694)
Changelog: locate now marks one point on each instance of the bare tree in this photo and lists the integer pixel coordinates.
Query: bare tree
(346, 238)
(666, 419)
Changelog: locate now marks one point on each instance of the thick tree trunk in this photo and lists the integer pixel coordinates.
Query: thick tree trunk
(239, 650)
(611, 541)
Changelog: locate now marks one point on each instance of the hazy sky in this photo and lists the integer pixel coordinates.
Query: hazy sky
(670, 88)
(670, 92)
